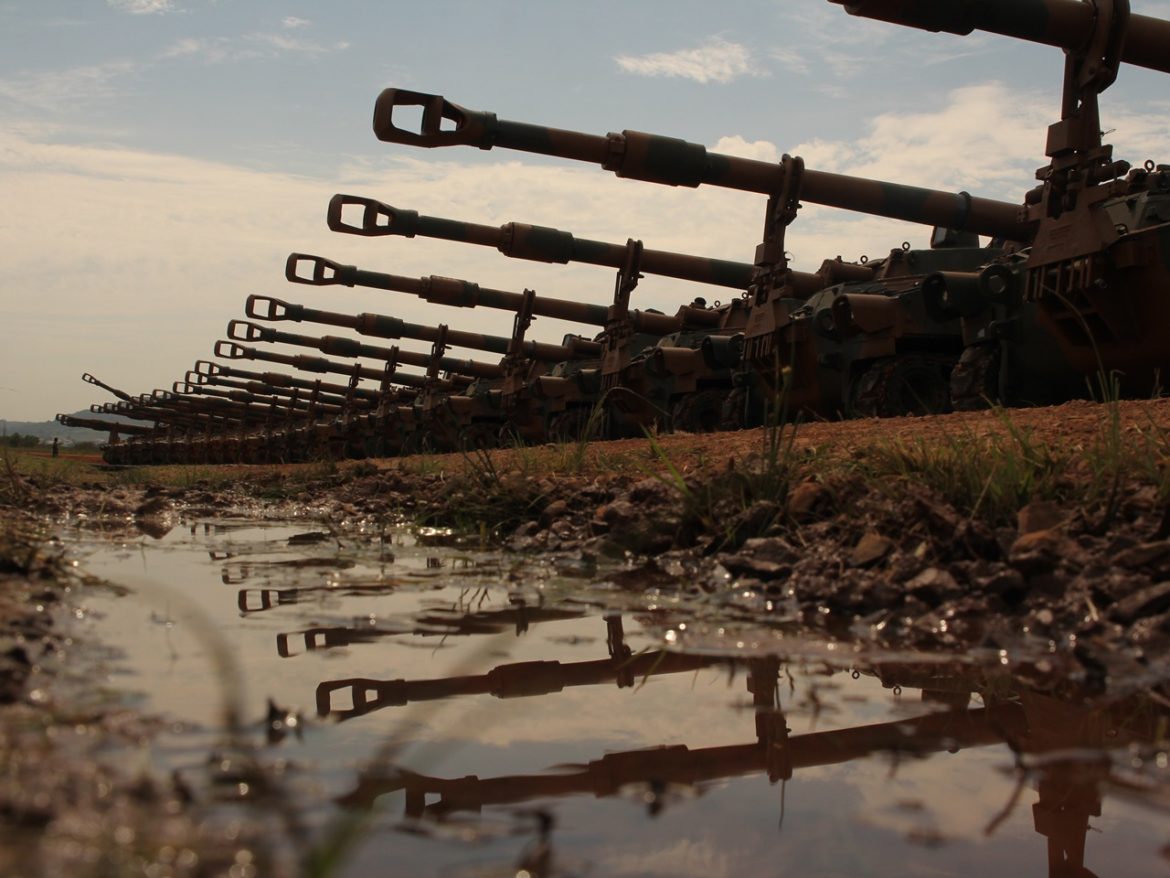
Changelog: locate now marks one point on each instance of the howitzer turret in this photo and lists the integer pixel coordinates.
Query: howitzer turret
(403, 420)
(1085, 301)
(673, 162)
(565, 399)
(436, 398)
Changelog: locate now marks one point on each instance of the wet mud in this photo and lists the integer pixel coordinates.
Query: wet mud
(481, 667)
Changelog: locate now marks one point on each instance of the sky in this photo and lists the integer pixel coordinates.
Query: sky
(159, 159)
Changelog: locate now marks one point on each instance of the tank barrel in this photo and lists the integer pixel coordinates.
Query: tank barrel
(257, 394)
(377, 325)
(206, 371)
(262, 391)
(534, 243)
(243, 330)
(673, 162)
(230, 350)
(383, 326)
(1064, 24)
(318, 271)
(90, 379)
(103, 426)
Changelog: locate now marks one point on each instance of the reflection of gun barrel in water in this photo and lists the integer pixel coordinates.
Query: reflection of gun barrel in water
(680, 765)
(434, 623)
(517, 680)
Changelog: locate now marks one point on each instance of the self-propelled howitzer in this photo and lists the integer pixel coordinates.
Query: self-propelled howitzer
(1086, 300)
(560, 404)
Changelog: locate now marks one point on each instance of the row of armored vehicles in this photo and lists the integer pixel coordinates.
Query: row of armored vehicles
(1062, 295)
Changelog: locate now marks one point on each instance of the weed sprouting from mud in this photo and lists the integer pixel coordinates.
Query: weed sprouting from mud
(742, 502)
(983, 476)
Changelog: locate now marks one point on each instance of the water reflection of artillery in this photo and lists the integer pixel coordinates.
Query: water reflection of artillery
(255, 600)
(242, 571)
(513, 680)
(437, 622)
(1066, 747)
(1062, 743)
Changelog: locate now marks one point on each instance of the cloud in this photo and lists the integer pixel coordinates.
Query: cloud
(142, 7)
(293, 22)
(761, 150)
(249, 47)
(716, 61)
(58, 90)
(685, 857)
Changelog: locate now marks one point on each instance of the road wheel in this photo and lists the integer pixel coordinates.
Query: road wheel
(479, 436)
(698, 412)
(570, 426)
(912, 384)
(732, 413)
(975, 380)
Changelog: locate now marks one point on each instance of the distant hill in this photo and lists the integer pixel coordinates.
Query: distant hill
(46, 430)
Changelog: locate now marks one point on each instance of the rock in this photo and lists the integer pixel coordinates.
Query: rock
(754, 520)
(805, 497)
(1006, 582)
(153, 507)
(652, 491)
(1147, 602)
(525, 529)
(933, 585)
(1151, 632)
(155, 517)
(562, 528)
(775, 549)
(1041, 515)
(556, 509)
(1037, 552)
(870, 549)
(747, 565)
(1144, 555)
(618, 512)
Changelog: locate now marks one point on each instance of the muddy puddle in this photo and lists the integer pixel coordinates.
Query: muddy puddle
(465, 712)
